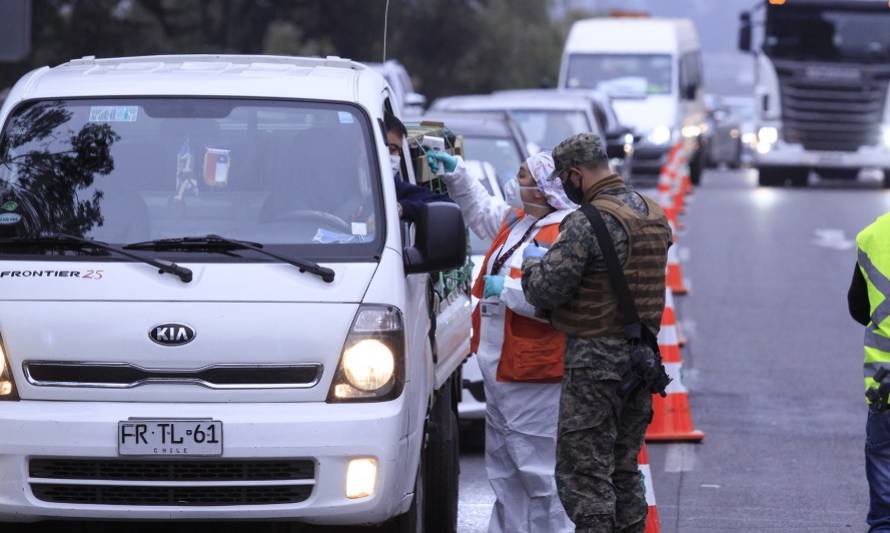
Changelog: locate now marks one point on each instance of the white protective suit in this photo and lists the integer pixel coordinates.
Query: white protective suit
(521, 418)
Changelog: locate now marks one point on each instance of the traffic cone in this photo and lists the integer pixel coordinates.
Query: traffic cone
(652, 524)
(672, 417)
(674, 274)
(670, 316)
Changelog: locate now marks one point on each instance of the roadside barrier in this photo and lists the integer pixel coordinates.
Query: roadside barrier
(652, 524)
(672, 417)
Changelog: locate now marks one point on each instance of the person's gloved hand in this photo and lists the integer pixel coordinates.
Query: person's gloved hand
(494, 285)
(533, 250)
(437, 157)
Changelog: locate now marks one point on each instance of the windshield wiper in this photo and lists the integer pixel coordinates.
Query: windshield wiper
(163, 267)
(304, 265)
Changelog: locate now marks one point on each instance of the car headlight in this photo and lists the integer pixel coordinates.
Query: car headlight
(885, 135)
(660, 135)
(7, 385)
(373, 361)
(768, 135)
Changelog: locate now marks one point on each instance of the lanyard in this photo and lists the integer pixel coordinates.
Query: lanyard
(501, 259)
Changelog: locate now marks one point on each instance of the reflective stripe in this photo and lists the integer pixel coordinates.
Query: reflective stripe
(872, 368)
(880, 282)
(875, 340)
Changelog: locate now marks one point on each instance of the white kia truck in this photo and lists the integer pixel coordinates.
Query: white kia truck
(651, 67)
(210, 308)
(821, 98)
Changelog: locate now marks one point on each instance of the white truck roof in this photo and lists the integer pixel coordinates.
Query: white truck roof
(632, 36)
(331, 78)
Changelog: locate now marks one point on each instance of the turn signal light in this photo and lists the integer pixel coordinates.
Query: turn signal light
(7, 386)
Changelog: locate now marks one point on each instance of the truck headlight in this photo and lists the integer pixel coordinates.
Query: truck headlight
(768, 135)
(660, 135)
(7, 385)
(885, 135)
(372, 365)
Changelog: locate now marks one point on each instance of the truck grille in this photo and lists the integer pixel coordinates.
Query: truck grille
(832, 107)
(173, 483)
(170, 496)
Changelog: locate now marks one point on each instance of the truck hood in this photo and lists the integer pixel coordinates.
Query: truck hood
(245, 315)
(644, 114)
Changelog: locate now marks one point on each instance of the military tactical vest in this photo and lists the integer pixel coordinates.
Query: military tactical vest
(594, 312)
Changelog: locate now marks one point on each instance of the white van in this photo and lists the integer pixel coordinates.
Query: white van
(652, 69)
(210, 308)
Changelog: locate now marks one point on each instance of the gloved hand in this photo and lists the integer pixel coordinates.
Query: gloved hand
(533, 250)
(437, 157)
(494, 285)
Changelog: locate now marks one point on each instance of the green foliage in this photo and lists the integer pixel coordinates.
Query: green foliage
(449, 46)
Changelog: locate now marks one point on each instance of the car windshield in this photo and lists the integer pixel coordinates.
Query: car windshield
(621, 75)
(547, 128)
(808, 33)
(501, 153)
(295, 176)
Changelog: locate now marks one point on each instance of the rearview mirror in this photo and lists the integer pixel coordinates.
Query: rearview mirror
(440, 241)
(745, 32)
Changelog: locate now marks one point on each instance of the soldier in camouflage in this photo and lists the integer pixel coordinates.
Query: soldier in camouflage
(600, 433)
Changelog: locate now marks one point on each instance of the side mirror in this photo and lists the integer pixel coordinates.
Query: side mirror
(415, 99)
(745, 32)
(440, 241)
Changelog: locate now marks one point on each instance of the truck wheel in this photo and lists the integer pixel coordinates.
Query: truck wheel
(771, 176)
(887, 179)
(442, 465)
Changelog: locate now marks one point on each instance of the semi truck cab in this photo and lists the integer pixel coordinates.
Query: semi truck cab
(821, 97)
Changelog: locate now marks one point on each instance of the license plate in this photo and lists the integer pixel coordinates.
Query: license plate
(170, 437)
(831, 159)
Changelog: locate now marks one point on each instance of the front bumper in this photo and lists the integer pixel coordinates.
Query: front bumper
(794, 155)
(329, 435)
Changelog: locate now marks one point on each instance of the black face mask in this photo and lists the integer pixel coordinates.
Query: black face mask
(573, 192)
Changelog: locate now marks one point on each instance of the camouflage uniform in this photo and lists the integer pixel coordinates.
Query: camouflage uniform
(599, 439)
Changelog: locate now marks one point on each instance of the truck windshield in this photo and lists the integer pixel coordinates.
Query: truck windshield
(297, 177)
(621, 75)
(833, 35)
(547, 128)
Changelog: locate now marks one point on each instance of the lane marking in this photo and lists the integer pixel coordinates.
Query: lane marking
(679, 458)
(832, 238)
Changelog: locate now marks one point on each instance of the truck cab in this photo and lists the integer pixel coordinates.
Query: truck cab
(822, 73)
(211, 308)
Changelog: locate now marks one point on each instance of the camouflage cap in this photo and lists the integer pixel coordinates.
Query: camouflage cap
(580, 149)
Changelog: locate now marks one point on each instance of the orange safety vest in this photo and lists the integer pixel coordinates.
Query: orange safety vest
(533, 351)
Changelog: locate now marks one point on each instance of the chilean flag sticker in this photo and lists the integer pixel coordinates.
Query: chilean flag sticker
(216, 167)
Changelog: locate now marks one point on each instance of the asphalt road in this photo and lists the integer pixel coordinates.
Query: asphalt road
(773, 365)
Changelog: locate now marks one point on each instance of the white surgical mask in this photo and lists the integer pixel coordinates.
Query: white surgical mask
(395, 162)
(513, 197)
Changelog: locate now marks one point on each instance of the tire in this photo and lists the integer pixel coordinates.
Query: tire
(800, 177)
(770, 176)
(695, 167)
(886, 182)
(442, 464)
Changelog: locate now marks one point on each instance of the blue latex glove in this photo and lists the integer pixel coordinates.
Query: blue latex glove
(437, 157)
(533, 250)
(494, 285)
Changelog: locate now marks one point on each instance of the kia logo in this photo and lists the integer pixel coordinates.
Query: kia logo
(172, 334)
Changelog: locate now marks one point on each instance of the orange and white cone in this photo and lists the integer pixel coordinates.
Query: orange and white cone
(674, 274)
(652, 524)
(672, 417)
(670, 317)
